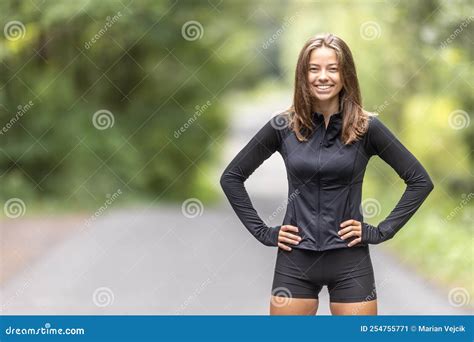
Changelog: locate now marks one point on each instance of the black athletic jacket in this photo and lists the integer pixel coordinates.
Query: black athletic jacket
(325, 181)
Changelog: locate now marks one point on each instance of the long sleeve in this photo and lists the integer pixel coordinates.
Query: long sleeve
(382, 142)
(265, 142)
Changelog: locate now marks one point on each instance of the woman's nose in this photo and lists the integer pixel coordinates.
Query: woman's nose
(322, 76)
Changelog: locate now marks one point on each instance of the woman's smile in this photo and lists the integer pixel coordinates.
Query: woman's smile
(324, 89)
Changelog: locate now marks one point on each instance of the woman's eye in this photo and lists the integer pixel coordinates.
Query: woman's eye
(333, 70)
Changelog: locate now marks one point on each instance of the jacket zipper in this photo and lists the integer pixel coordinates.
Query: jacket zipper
(321, 144)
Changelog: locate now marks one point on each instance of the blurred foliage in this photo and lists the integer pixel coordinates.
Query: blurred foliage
(141, 69)
(152, 79)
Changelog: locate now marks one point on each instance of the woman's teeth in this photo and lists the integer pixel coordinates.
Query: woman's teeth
(323, 87)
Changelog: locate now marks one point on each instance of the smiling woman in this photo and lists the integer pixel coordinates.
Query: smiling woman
(326, 141)
(324, 75)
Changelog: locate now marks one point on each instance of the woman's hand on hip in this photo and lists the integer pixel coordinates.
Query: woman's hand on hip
(285, 237)
(351, 228)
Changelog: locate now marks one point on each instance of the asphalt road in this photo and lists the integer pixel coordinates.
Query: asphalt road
(157, 260)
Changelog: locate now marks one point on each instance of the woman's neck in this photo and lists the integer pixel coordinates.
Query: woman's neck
(327, 108)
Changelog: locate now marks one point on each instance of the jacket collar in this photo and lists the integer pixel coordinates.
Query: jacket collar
(336, 117)
(334, 126)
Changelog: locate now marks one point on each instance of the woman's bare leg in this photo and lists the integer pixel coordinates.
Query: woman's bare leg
(360, 308)
(293, 306)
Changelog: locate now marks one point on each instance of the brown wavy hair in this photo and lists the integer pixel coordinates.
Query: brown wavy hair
(354, 118)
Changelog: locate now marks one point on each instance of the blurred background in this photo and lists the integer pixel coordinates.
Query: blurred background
(117, 118)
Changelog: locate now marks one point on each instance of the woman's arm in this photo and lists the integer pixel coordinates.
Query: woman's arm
(382, 142)
(259, 148)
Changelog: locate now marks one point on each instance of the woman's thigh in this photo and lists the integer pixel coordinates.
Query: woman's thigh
(351, 282)
(293, 290)
(358, 308)
(293, 306)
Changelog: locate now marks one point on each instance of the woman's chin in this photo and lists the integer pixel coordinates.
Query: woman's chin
(323, 97)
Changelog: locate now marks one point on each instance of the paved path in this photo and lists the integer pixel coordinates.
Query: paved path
(160, 262)
(157, 261)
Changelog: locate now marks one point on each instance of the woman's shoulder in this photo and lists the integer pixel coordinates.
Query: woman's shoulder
(373, 128)
(280, 123)
(379, 136)
(273, 132)
(377, 126)
(371, 115)
(280, 120)
(374, 123)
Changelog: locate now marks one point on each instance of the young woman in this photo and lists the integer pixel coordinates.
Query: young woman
(326, 139)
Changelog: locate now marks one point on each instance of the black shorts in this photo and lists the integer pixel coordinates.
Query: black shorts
(347, 272)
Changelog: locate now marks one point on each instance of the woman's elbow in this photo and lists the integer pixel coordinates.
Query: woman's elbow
(428, 185)
(224, 180)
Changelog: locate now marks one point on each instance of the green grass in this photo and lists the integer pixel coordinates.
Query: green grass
(439, 249)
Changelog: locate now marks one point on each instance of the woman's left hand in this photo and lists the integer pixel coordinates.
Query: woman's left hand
(351, 228)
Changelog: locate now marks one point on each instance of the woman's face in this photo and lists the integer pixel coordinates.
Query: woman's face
(323, 75)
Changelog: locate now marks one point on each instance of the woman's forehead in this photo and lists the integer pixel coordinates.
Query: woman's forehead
(323, 55)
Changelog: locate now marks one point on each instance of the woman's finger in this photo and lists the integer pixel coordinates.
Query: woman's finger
(348, 229)
(289, 227)
(291, 236)
(284, 247)
(354, 242)
(349, 222)
(345, 230)
(352, 233)
(284, 239)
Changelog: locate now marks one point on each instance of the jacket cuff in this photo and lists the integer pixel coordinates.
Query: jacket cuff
(370, 234)
(273, 236)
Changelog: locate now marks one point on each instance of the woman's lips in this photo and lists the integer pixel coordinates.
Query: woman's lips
(323, 88)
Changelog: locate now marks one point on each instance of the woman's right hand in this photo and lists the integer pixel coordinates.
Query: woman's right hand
(285, 237)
